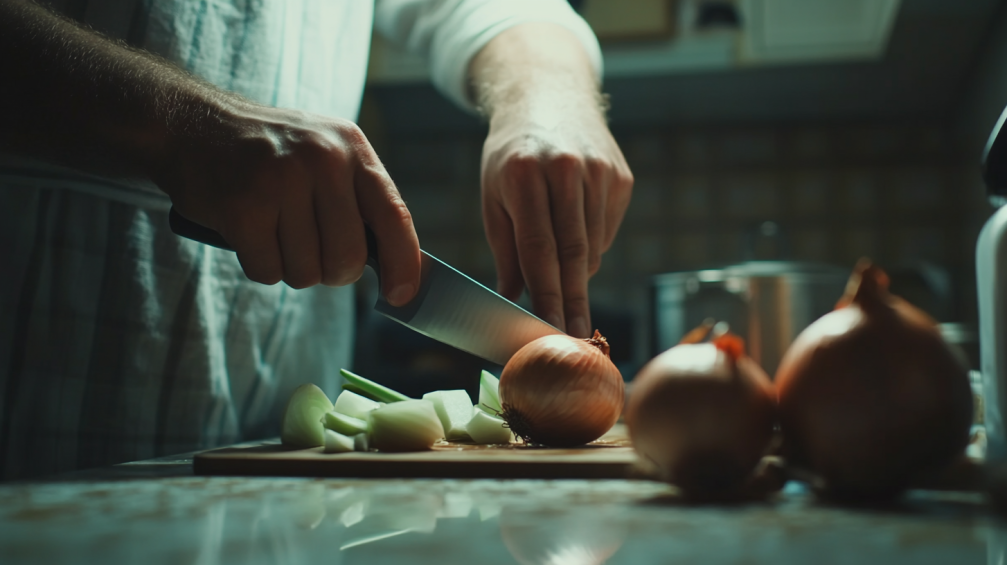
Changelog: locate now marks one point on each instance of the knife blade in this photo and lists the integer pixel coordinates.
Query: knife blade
(449, 306)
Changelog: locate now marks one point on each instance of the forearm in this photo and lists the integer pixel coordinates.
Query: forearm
(538, 71)
(555, 184)
(79, 99)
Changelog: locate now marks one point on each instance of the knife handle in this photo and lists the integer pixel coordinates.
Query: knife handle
(187, 228)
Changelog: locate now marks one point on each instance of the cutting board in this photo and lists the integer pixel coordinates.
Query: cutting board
(611, 457)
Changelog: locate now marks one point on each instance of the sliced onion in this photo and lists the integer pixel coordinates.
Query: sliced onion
(352, 404)
(489, 393)
(302, 419)
(336, 442)
(372, 389)
(409, 425)
(484, 428)
(454, 408)
(346, 425)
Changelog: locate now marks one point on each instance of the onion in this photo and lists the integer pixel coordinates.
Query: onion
(702, 415)
(561, 391)
(409, 425)
(871, 395)
(302, 419)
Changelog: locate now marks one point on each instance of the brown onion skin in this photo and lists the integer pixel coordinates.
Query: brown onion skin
(870, 395)
(561, 391)
(704, 425)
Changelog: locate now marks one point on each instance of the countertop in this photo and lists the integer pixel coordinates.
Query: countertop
(155, 512)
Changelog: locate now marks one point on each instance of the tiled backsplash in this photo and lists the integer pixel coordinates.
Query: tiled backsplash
(896, 192)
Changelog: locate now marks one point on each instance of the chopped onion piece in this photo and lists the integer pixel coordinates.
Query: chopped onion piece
(410, 425)
(352, 404)
(484, 428)
(489, 395)
(454, 408)
(371, 388)
(336, 442)
(346, 425)
(360, 443)
(302, 419)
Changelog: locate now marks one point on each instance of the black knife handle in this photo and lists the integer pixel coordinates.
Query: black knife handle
(187, 228)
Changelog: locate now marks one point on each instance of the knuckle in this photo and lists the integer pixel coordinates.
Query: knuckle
(626, 181)
(375, 174)
(397, 212)
(577, 302)
(346, 269)
(547, 300)
(566, 165)
(538, 245)
(573, 250)
(303, 280)
(522, 168)
(596, 167)
(352, 133)
(593, 263)
(266, 276)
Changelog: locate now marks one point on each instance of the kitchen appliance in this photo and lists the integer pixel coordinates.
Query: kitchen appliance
(766, 302)
(449, 306)
(991, 279)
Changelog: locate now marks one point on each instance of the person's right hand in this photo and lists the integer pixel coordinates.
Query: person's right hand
(291, 193)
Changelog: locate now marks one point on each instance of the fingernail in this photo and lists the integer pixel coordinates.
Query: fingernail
(578, 327)
(400, 294)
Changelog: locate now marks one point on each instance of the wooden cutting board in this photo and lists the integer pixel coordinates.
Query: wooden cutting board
(611, 457)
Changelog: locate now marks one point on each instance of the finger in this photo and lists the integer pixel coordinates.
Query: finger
(340, 227)
(529, 207)
(253, 235)
(621, 190)
(382, 209)
(500, 235)
(299, 243)
(567, 201)
(597, 183)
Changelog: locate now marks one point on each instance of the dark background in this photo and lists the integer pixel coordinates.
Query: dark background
(871, 158)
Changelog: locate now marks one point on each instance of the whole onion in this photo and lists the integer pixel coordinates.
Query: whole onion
(561, 391)
(871, 395)
(702, 415)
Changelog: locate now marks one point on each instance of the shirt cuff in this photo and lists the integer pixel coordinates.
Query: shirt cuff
(450, 33)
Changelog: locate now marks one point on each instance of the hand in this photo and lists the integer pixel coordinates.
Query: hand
(555, 187)
(291, 192)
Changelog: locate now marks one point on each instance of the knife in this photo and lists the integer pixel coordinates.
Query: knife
(449, 306)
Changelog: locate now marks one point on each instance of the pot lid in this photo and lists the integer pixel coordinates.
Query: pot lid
(760, 269)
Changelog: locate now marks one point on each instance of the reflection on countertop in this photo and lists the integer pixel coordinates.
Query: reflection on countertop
(211, 520)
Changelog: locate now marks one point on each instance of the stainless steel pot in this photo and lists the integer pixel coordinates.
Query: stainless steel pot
(766, 302)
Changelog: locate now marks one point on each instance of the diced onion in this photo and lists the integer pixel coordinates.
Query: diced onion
(352, 404)
(336, 442)
(484, 428)
(409, 425)
(302, 419)
(489, 394)
(454, 408)
(346, 425)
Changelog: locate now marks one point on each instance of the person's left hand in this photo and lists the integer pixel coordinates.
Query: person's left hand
(555, 188)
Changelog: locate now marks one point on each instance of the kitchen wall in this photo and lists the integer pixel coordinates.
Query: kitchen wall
(892, 191)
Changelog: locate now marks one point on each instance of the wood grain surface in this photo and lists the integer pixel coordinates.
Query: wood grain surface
(611, 457)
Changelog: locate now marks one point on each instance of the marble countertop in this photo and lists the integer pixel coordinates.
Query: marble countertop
(156, 512)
